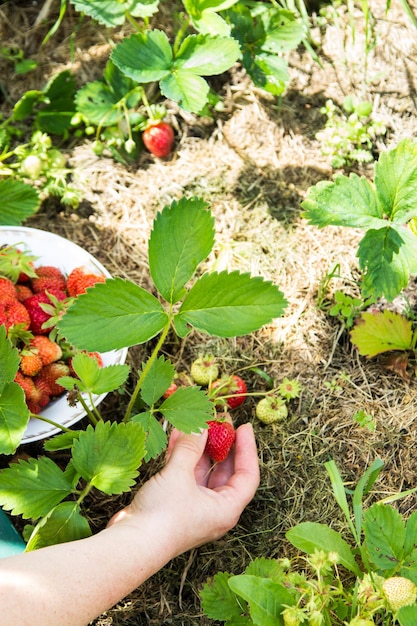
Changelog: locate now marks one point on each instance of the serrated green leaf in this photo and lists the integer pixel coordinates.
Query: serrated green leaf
(93, 378)
(62, 441)
(407, 615)
(25, 105)
(109, 455)
(231, 304)
(210, 23)
(266, 598)
(186, 88)
(218, 600)
(310, 536)
(144, 57)
(207, 55)
(64, 523)
(188, 409)
(268, 72)
(14, 417)
(410, 534)
(384, 533)
(266, 568)
(98, 103)
(396, 181)
(32, 488)
(387, 257)
(380, 332)
(112, 315)
(55, 116)
(111, 13)
(157, 380)
(347, 201)
(9, 359)
(156, 437)
(283, 31)
(19, 201)
(182, 237)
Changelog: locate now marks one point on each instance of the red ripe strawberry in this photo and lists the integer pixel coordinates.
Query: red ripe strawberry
(47, 350)
(171, 389)
(80, 279)
(38, 316)
(23, 292)
(30, 363)
(46, 379)
(13, 312)
(221, 437)
(36, 399)
(234, 387)
(158, 138)
(7, 289)
(49, 278)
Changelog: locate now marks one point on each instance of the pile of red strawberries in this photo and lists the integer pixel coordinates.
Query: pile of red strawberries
(29, 309)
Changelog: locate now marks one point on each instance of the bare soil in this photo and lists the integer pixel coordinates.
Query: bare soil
(253, 163)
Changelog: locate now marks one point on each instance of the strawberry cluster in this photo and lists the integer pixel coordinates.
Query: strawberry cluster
(31, 302)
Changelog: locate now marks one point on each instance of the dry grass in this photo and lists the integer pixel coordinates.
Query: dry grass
(254, 165)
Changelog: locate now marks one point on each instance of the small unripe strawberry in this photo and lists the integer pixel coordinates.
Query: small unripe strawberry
(271, 409)
(171, 389)
(399, 592)
(221, 437)
(204, 370)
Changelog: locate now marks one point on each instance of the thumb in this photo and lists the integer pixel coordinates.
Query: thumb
(187, 450)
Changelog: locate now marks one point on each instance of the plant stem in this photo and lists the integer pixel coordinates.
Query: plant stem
(87, 409)
(51, 422)
(145, 371)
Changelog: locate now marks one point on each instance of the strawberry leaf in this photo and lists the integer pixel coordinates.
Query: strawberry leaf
(111, 13)
(379, 332)
(205, 55)
(112, 315)
(31, 488)
(188, 409)
(186, 88)
(385, 534)
(396, 181)
(387, 256)
(14, 417)
(18, 201)
(347, 201)
(108, 456)
(157, 380)
(266, 598)
(9, 359)
(63, 441)
(144, 57)
(156, 437)
(93, 378)
(63, 523)
(220, 603)
(230, 304)
(182, 237)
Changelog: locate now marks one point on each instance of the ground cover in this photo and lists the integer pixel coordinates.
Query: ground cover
(253, 162)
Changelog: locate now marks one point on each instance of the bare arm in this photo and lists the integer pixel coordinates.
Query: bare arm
(181, 507)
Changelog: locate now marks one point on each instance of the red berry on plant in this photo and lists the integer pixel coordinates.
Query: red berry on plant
(80, 278)
(234, 387)
(221, 436)
(158, 139)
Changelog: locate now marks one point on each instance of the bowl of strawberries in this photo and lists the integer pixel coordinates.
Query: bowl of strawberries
(40, 274)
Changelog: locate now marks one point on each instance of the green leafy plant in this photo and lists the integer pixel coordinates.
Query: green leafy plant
(111, 315)
(365, 420)
(350, 132)
(383, 209)
(21, 64)
(341, 583)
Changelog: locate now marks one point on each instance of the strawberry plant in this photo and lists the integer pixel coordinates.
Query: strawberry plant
(108, 316)
(370, 580)
(384, 209)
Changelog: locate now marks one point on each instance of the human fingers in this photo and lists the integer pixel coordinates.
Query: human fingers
(185, 450)
(244, 481)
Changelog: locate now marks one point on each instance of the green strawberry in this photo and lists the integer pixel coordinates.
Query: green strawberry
(399, 592)
(271, 409)
(204, 370)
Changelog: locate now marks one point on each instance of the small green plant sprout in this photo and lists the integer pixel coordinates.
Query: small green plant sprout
(383, 209)
(365, 420)
(369, 580)
(22, 65)
(337, 383)
(346, 308)
(350, 133)
(378, 332)
(118, 314)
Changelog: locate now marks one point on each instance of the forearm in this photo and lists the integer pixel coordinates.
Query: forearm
(70, 584)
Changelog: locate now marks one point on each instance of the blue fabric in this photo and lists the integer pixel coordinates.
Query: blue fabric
(10, 540)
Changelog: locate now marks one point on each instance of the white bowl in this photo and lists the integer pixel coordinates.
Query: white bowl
(55, 250)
